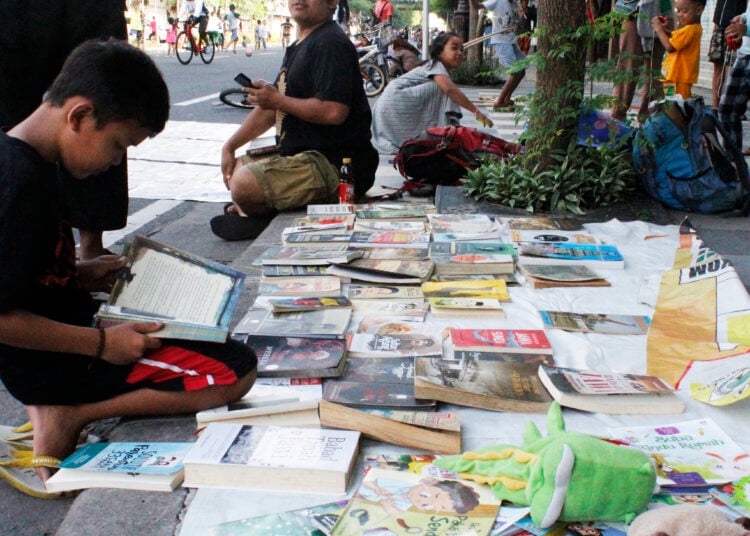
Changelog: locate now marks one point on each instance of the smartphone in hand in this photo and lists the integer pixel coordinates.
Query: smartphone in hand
(243, 80)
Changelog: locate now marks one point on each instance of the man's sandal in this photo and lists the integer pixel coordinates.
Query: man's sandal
(17, 468)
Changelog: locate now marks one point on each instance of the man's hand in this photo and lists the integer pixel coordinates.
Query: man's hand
(99, 274)
(737, 28)
(264, 95)
(126, 343)
(227, 164)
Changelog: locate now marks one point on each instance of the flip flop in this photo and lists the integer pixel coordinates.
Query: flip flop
(19, 437)
(233, 227)
(17, 468)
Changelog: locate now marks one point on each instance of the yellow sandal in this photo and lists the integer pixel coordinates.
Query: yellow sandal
(17, 468)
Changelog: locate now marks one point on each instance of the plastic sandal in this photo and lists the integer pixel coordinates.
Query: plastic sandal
(19, 437)
(17, 468)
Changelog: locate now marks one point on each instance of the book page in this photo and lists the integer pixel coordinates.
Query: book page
(169, 287)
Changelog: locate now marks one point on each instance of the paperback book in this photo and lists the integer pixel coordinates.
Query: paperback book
(144, 466)
(735, 494)
(310, 256)
(610, 393)
(384, 271)
(298, 357)
(472, 257)
(326, 323)
(390, 239)
(610, 324)
(561, 275)
(421, 253)
(466, 308)
(688, 453)
(562, 237)
(300, 286)
(339, 209)
(591, 255)
(272, 457)
(393, 345)
(385, 225)
(193, 297)
(405, 214)
(401, 502)
(277, 270)
(414, 310)
(392, 292)
(290, 305)
(335, 226)
(310, 521)
(445, 227)
(540, 223)
(309, 239)
(500, 340)
(490, 288)
(313, 220)
(377, 395)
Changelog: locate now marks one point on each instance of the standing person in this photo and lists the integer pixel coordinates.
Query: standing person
(171, 35)
(505, 19)
(154, 36)
(233, 22)
(136, 24)
(422, 97)
(260, 35)
(733, 102)
(383, 12)
(321, 113)
(683, 46)
(640, 55)
(718, 53)
(286, 33)
(107, 97)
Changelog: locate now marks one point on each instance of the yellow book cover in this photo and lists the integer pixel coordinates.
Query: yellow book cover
(488, 288)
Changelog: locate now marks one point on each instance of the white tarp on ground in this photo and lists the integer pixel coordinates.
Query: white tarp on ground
(649, 250)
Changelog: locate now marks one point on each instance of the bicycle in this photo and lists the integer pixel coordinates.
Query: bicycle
(236, 98)
(375, 65)
(186, 46)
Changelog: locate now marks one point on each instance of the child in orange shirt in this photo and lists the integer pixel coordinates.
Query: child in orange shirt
(683, 45)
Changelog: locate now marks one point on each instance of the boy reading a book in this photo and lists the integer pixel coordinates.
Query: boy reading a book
(108, 96)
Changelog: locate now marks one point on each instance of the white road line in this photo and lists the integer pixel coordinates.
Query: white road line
(139, 219)
(197, 100)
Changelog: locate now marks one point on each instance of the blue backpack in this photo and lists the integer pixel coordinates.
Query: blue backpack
(688, 161)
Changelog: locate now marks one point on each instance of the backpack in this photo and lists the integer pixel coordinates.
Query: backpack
(688, 161)
(443, 155)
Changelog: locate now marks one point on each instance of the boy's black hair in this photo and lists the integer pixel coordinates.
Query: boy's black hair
(121, 81)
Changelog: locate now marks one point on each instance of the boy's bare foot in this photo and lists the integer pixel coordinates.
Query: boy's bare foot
(56, 432)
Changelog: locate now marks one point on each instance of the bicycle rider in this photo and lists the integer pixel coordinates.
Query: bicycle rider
(195, 11)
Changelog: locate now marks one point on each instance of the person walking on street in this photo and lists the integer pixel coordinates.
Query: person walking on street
(321, 113)
(286, 33)
(382, 12)
(722, 57)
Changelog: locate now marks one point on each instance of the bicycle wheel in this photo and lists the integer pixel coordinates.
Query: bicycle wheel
(235, 97)
(208, 49)
(183, 49)
(373, 78)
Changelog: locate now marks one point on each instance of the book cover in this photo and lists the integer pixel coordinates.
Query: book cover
(561, 275)
(492, 385)
(463, 224)
(397, 310)
(592, 255)
(472, 257)
(370, 292)
(272, 457)
(540, 223)
(610, 393)
(326, 323)
(311, 256)
(386, 225)
(392, 239)
(510, 279)
(489, 288)
(146, 466)
(380, 395)
(329, 210)
(400, 502)
(394, 345)
(298, 357)
(688, 453)
(278, 270)
(501, 340)
(611, 324)
(385, 271)
(735, 494)
(309, 239)
(290, 305)
(334, 226)
(308, 521)
(421, 253)
(391, 214)
(300, 286)
(194, 297)
(466, 307)
(404, 431)
(314, 220)
(558, 236)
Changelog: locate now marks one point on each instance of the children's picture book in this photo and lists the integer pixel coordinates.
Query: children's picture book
(688, 453)
(298, 357)
(144, 466)
(401, 502)
(394, 345)
(272, 457)
(735, 494)
(466, 308)
(300, 286)
(286, 402)
(414, 310)
(548, 236)
(415, 429)
(500, 340)
(472, 257)
(309, 239)
(274, 270)
(310, 256)
(308, 521)
(611, 324)
(591, 255)
(508, 385)
(561, 275)
(325, 323)
(290, 305)
(384, 271)
(611, 393)
(193, 297)
(490, 288)
(390, 239)
(378, 292)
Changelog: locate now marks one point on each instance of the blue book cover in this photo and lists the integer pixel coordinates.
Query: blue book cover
(124, 457)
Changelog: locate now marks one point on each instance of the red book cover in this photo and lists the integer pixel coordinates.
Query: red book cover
(506, 340)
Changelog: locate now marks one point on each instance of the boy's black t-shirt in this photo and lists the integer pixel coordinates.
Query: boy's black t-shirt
(325, 66)
(37, 251)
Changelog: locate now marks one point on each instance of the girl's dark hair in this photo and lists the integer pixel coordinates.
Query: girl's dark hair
(122, 81)
(344, 12)
(438, 44)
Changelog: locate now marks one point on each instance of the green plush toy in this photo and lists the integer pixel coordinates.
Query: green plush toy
(566, 476)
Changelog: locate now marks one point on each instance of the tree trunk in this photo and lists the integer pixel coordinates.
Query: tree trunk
(560, 77)
(475, 52)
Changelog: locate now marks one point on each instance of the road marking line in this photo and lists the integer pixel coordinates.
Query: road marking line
(139, 219)
(197, 100)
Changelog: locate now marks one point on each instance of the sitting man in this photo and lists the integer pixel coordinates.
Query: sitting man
(321, 113)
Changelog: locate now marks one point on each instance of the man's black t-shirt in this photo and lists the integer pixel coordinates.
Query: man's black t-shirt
(325, 66)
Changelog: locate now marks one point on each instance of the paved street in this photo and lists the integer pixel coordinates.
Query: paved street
(184, 161)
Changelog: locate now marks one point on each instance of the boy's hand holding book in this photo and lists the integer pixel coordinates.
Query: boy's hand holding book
(126, 343)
